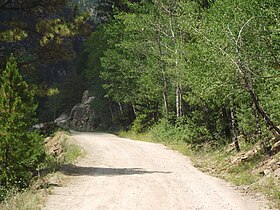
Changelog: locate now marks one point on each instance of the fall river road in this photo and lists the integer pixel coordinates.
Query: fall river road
(122, 174)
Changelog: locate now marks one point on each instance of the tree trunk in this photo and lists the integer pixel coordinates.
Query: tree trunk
(179, 107)
(134, 110)
(271, 126)
(176, 67)
(120, 107)
(180, 100)
(249, 87)
(111, 110)
(259, 130)
(164, 79)
(165, 102)
(234, 128)
(226, 122)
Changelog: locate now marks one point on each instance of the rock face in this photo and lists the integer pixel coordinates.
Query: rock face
(82, 117)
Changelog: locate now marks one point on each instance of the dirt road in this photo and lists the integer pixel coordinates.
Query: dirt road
(122, 174)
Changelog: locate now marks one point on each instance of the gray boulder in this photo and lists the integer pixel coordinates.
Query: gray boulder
(82, 117)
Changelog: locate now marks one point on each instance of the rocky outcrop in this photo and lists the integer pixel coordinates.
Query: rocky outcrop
(82, 117)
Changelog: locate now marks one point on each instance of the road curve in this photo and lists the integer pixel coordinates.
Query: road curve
(121, 174)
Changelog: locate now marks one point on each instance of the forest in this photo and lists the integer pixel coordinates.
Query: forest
(198, 71)
(205, 70)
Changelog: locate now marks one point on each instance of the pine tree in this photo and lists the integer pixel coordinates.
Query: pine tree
(20, 148)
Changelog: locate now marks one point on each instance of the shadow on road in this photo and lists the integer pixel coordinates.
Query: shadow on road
(100, 171)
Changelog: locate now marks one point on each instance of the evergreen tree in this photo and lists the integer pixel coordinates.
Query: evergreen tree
(20, 148)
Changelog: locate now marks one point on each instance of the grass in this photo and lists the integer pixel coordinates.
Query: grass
(33, 198)
(216, 161)
(30, 199)
(72, 152)
(136, 136)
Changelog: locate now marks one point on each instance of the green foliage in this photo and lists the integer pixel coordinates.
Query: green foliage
(58, 29)
(20, 148)
(164, 131)
(13, 35)
(141, 123)
(202, 57)
(42, 31)
(72, 152)
(184, 130)
(34, 196)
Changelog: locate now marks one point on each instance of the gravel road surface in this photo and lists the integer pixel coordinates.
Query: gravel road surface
(122, 174)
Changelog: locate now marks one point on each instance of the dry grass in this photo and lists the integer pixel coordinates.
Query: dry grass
(31, 199)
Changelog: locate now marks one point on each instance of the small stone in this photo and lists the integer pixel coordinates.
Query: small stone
(274, 167)
(272, 162)
(267, 171)
(262, 173)
(277, 144)
(250, 153)
(47, 140)
(276, 148)
(54, 181)
(277, 173)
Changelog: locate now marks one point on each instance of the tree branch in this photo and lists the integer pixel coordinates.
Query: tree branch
(241, 30)
(22, 64)
(223, 52)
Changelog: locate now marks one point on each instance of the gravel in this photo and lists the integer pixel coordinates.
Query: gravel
(122, 174)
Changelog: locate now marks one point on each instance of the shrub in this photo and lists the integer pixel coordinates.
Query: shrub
(141, 123)
(20, 148)
(183, 130)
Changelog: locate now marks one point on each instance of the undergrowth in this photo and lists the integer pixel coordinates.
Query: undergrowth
(33, 197)
(72, 152)
(29, 199)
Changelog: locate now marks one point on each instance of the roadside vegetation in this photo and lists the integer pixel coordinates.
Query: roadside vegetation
(60, 151)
